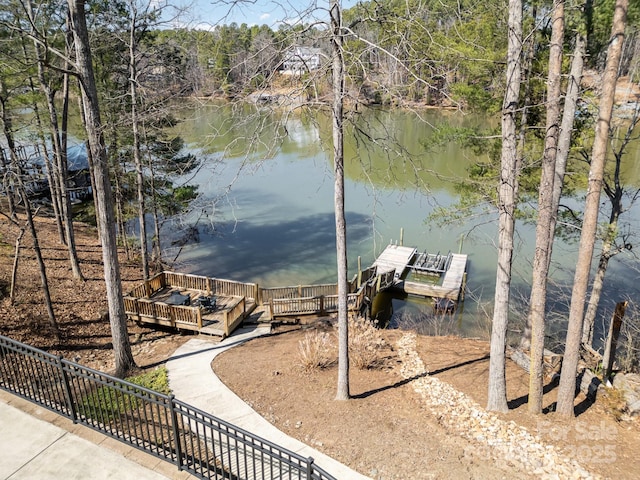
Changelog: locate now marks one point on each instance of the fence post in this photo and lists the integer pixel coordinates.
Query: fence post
(176, 436)
(67, 390)
(310, 467)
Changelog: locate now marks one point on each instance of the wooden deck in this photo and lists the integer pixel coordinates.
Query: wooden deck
(154, 302)
(213, 319)
(173, 299)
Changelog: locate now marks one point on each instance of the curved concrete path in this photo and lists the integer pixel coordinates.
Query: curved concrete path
(193, 381)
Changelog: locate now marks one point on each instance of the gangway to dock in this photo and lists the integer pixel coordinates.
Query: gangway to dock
(395, 258)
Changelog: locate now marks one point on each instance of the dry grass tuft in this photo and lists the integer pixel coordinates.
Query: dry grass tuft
(614, 403)
(365, 344)
(315, 351)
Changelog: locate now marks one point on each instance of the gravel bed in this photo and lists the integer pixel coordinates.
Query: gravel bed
(496, 440)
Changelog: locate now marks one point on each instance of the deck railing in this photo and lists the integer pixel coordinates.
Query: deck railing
(200, 283)
(201, 444)
(186, 281)
(320, 305)
(365, 275)
(233, 315)
(179, 316)
(235, 289)
(281, 301)
(299, 291)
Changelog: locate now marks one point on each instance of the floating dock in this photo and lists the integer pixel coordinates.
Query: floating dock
(452, 281)
(448, 271)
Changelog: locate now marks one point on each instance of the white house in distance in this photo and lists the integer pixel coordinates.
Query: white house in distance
(300, 60)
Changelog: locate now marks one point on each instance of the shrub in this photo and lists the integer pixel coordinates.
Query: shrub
(315, 350)
(109, 403)
(365, 343)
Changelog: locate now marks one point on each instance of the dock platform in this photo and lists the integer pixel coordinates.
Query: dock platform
(452, 282)
(448, 269)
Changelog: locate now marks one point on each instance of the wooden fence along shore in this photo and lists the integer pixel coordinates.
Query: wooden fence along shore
(217, 306)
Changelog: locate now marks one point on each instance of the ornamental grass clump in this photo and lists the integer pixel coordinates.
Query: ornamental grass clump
(365, 344)
(315, 351)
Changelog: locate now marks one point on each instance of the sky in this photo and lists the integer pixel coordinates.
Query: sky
(206, 14)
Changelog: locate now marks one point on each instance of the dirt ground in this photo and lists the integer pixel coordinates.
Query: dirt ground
(79, 306)
(385, 431)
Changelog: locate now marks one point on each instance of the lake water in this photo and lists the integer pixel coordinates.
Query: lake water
(266, 212)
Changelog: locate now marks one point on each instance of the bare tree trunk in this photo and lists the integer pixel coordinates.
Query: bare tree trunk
(51, 176)
(546, 212)
(567, 386)
(120, 213)
(568, 117)
(133, 80)
(497, 396)
(598, 282)
(341, 227)
(14, 270)
(64, 172)
(43, 270)
(615, 192)
(6, 163)
(92, 171)
(156, 246)
(105, 216)
(59, 144)
(36, 245)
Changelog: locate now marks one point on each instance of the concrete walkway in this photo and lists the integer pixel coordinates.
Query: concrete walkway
(37, 443)
(193, 381)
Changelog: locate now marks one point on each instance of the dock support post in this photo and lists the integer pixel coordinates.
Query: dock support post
(463, 287)
(359, 271)
(401, 236)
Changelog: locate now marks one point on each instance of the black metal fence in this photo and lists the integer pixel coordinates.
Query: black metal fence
(158, 424)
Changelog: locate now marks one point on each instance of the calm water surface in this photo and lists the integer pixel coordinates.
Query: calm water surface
(267, 212)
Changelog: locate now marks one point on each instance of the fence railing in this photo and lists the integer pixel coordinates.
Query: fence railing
(201, 444)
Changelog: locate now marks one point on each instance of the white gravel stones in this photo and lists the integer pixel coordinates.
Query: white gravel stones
(497, 440)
